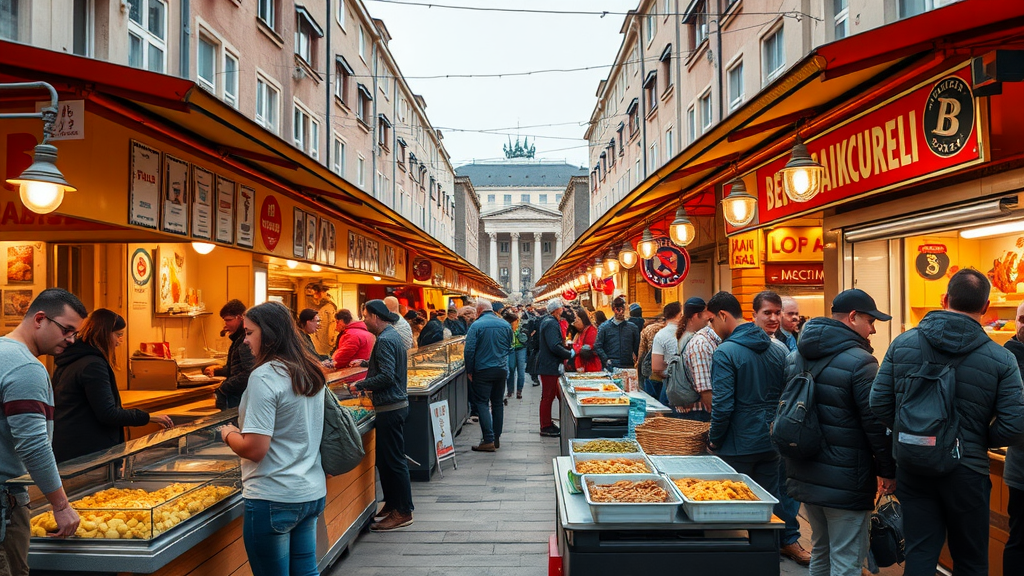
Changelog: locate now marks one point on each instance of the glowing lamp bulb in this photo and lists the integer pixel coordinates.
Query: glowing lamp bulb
(203, 247)
(41, 197)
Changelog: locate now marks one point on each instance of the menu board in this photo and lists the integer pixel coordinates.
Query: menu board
(202, 203)
(175, 213)
(311, 236)
(144, 196)
(245, 214)
(299, 233)
(225, 210)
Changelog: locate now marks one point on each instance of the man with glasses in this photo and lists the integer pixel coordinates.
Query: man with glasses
(240, 358)
(26, 422)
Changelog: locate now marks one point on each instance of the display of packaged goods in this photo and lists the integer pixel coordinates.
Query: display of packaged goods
(759, 510)
(625, 463)
(603, 446)
(139, 510)
(630, 498)
(690, 464)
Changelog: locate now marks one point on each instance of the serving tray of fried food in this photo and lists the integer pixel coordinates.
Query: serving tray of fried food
(630, 498)
(722, 497)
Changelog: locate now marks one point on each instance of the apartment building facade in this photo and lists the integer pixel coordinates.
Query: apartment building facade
(684, 65)
(317, 74)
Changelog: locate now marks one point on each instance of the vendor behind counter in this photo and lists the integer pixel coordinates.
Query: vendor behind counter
(240, 360)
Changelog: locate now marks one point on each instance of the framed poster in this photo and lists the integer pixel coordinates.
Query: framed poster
(21, 264)
(298, 233)
(144, 196)
(202, 203)
(245, 214)
(16, 303)
(321, 246)
(171, 278)
(311, 236)
(225, 210)
(332, 244)
(174, 218)
(352, 258)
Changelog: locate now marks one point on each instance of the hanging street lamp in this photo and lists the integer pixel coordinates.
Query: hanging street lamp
(647, 246)
(801, 177)
(682, 231)
(739, 206)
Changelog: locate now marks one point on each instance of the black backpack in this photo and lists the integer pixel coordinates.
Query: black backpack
(645, 365)
(887, 543)
(796, 432)
(926, 431)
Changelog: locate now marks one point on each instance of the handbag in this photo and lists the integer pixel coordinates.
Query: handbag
(887, 544)
(341, 446)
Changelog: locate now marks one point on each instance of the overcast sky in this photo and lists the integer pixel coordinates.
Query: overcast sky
(438, 41)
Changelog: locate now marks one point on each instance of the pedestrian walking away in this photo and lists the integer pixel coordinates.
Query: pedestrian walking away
(488, 345)
(281, 420)
(664, 347)
(695, 317)
(387, 379)
(838, 485)
(1013, 473)
(516, 358)
(700, 349)
(550, 355)
(988, 406)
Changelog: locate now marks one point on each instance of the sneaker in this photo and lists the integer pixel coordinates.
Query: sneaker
(497, 443)
(519, 395)
(485, 447)
(550, 431)
(384, 513)
(394, 521)
(474, 419)
(796, 553)
(505, 400)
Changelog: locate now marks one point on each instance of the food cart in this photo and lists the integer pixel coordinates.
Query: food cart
(436, 372)
(578, 421)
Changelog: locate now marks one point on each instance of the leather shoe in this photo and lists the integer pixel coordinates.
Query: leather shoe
(394, 521)
(384, 513)
(796, 553)
(485, 447)
(497, 443)
(550, 431)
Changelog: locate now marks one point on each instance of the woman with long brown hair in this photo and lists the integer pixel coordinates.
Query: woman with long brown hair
(88, 416)
(282, 419)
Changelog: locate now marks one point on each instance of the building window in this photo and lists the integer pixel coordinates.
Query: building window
(267, 102)
(705, 111)
(384, 132)
(736, 86)
(360, 172)
(9, 19)
(773, 55)
(508, 199)
(622, 143)
(611, 153)
(341, 14)
(651, 90)
(669, 145)
(206, 63)
(339, 157)
(307, 31)
(546, 247)
(841, 9)
(231, 79)
(490, 199)
(653, 160)
(342, 77)
(524, 198)
(363, 106)
(306, 132)
(636, 171)
(634, 116)
(699, 24)
(666, 66)
(504, 248)
(910, 8)
(558, 198)
(652, 24)
(691, 124)
(401, 152)
(147, 34)
(542, 199)
(362, 42)
(524, 247)
(82, 24)
(266, 10)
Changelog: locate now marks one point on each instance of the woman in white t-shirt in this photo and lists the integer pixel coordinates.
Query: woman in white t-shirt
(282, 420)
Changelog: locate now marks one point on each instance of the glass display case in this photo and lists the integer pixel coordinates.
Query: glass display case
(143, 502)
(429, 365)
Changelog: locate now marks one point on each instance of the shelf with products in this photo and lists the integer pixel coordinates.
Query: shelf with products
(429, 366)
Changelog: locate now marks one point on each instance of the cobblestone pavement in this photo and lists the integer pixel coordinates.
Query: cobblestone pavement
(491, 517)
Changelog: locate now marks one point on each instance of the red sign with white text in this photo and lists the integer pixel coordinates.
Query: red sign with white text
(796, 274)
(931, 129)
(270, 222)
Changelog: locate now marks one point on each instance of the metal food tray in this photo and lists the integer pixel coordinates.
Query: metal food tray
(575, 384)
(691, 465)
(587, 375)
(196, 465)
(661, 512)
(602, 410)
(581, 456)
(574, 441)
(727, 511)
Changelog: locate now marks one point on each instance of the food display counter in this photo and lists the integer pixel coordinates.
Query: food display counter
(170, 503)
(436, 372)
(581, 421)
(623, 546)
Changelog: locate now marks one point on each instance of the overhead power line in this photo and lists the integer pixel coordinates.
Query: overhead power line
(600, 13)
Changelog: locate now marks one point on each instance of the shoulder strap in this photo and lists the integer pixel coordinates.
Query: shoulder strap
(816, 370)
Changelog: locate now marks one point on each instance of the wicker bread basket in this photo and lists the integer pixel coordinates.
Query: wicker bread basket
(672, 436)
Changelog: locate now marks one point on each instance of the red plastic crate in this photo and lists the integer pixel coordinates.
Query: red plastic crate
(554, 558)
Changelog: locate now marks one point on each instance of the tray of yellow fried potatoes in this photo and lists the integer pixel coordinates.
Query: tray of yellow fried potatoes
(603, 404)
(722, 497)
(139, 510)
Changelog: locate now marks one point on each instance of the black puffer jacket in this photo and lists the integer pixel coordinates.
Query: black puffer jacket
(617, 344)
(989, 393)
(87, 415)
(857, 447)
(236, 373)
(551, 351)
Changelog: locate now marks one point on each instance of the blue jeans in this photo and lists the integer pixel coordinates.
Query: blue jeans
(516, 366)
(280, 537)
(488, 386)
(787, 509)
(653, 388)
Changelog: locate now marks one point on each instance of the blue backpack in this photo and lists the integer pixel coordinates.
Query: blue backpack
(796, 432)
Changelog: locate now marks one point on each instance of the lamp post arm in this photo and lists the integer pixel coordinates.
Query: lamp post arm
(48, 114)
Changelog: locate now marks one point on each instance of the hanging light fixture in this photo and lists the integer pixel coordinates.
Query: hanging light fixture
(647, 246)
(801, 177)
(681, 231)
(203, 247)
(611, 263)
(627, 256)
(315, 267)
(598, 267)
(581, 280)
(291, 264)
(739, 206)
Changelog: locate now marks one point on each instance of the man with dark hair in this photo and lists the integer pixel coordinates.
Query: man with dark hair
(664, 347)
(551, 353)
(768, 312)
(838, 484)
(387, 379)
(725, 313)
(26, 422)
(618, 341)
(636, 315)
(240, 360)
(989, 400)
(747, 369)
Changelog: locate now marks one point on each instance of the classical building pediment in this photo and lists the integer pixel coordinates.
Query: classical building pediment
(522, 212)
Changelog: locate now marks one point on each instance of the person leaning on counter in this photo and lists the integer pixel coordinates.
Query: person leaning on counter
(309, 324)
(88, 416)
(240, 358)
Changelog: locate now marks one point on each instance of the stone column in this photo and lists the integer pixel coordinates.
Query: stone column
(558, 245)
(514, 271)
(493, 262)
(536, 257)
